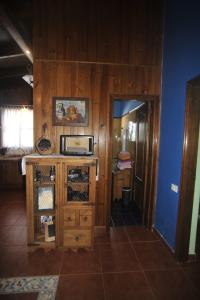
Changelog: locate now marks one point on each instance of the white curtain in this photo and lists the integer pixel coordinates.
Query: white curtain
(17, 127)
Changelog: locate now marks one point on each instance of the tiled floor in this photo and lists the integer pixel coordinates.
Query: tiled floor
(127, 263)
(122, 215)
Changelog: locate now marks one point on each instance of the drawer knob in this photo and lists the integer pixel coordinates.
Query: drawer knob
(77, 238)
(85, 219)
(69, 219)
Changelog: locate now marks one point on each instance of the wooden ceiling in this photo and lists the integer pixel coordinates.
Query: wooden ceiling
(15, 39)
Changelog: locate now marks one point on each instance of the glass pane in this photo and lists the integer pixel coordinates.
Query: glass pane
(45, 197)
(78, 184)
(44, 173)
(44, 227)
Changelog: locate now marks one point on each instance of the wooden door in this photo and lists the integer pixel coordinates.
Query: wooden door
(140, 161)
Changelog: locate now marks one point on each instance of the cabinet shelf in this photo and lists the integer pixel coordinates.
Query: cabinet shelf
(76, 183)
(44, 183)
(45, 213)
(40, 239)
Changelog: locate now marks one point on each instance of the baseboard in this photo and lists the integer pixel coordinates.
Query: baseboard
(170, 250)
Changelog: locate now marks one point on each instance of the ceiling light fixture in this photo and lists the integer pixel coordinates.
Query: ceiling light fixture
(28, 79)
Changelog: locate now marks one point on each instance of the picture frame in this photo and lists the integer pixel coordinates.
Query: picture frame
(45, 198)
(70, 111)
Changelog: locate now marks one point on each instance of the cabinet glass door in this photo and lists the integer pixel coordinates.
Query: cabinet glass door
(77, 183)
(44, 177)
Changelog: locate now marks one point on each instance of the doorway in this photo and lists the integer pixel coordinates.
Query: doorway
(129, 142)
(133, 137)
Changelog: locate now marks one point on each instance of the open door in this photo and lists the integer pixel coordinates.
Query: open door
(190, 149)
(140, 160)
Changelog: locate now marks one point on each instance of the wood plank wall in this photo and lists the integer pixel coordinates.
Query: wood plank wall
(94, 49)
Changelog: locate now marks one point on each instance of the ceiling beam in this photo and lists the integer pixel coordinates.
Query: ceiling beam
(11, 56)
(10, 27)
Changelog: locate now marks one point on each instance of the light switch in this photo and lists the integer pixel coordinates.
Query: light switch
(174, 188)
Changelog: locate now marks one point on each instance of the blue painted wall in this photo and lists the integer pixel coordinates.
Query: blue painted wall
(117, 109)
(122, 107)
(181, 62)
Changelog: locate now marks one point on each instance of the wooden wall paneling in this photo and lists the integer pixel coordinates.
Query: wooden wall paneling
(102, 138)
(96, 77)
(101, 32)
(49, 89)
(52, 15)
(113, 31)
(154, 38)
(109, 31)
(63, 87)
(76, 23)
(131, 30)
(140, 32)
(108, 154)
(100, 215)
(37, 100)
(84, 90)
(92, 31)
(125, 30)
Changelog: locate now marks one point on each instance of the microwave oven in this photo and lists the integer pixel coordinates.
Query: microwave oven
(77, 145)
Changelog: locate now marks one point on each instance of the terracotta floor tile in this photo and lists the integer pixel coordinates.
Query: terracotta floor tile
(127, 286)
(118, 258)
(171, 284)
(13, 235)
(154, 256)
(21, 220)
(121, 254)
(8, 219)
(140, 234)
(192, 271)
(82, 261)
(80, 287)
(21, 261)
(114, 235)
(21, 296)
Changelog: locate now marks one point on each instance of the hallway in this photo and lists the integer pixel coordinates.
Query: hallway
(127, 263)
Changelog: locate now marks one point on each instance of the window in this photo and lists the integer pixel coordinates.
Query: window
(17, 127)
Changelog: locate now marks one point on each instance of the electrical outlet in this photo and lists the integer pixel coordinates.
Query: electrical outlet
(174, 188)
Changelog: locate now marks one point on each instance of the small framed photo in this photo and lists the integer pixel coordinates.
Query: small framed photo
(45, 198)
(70, 111)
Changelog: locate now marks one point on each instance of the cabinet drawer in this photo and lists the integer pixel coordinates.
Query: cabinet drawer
(86, 217)
(77, 238)
(86, 212)
(69, 217)
(86, 220)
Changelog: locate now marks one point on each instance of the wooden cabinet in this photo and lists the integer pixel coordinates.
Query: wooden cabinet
(121, 178)
(61, 197)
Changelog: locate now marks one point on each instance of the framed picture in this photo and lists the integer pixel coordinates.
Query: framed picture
(70, 111)
(45, 198)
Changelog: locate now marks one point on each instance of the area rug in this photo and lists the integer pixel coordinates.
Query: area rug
(45, 286)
